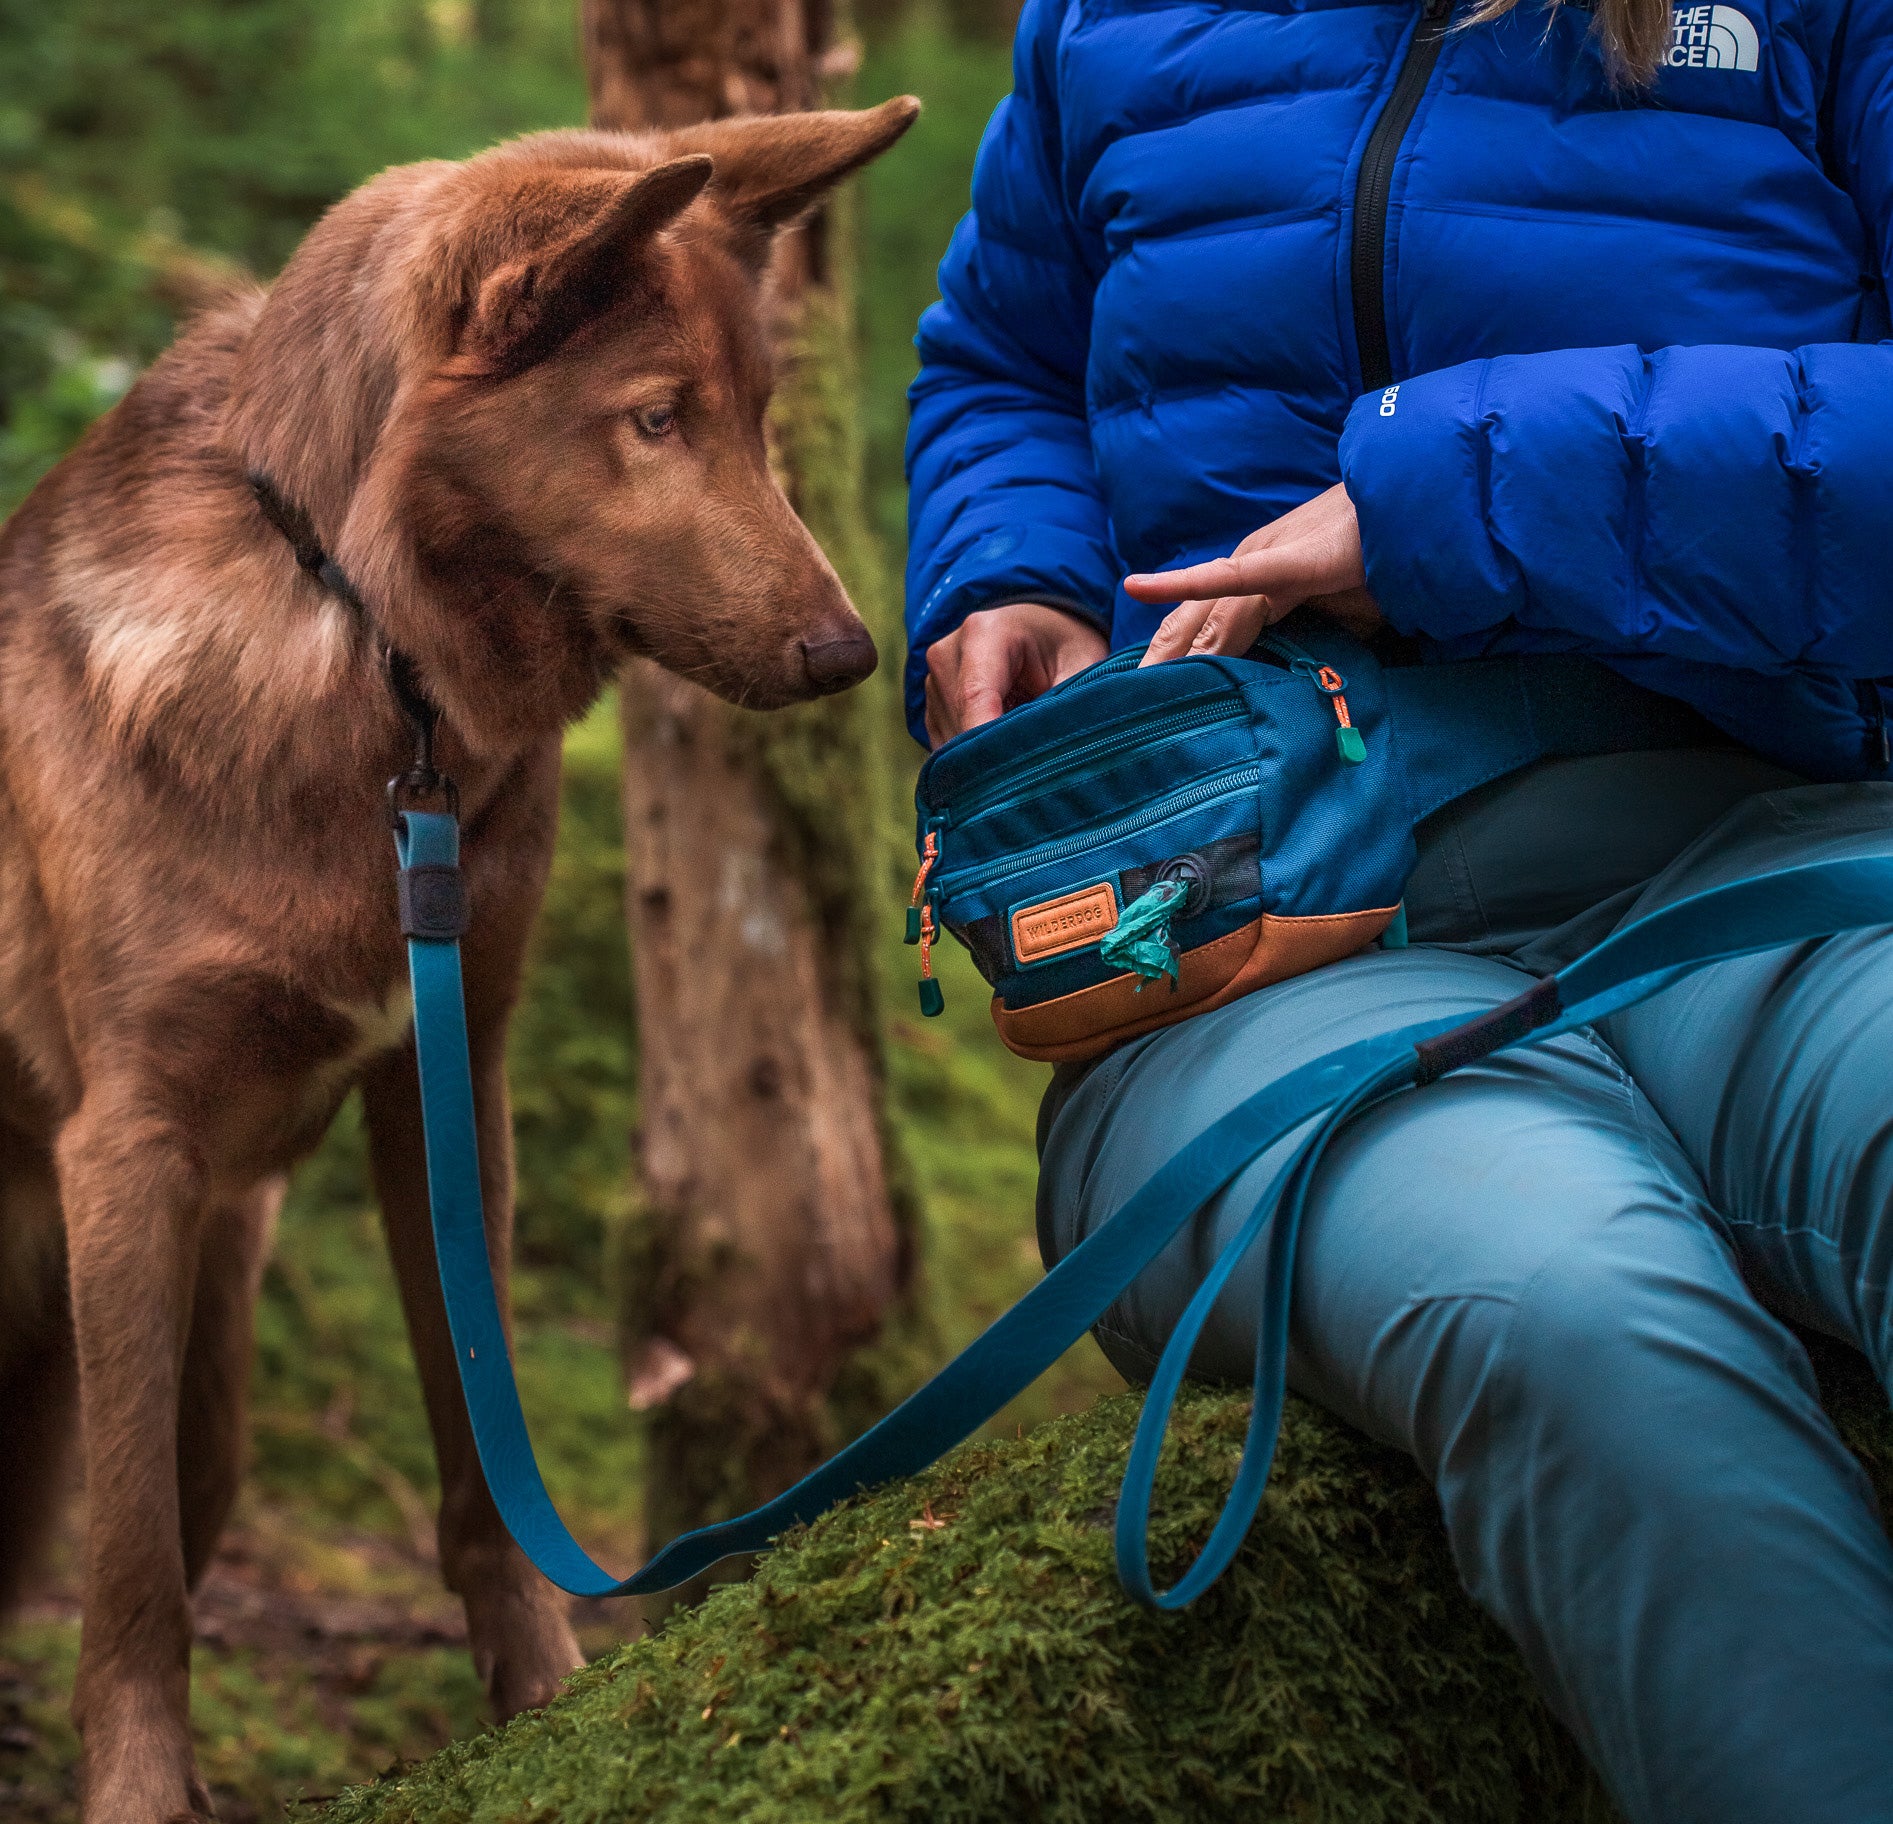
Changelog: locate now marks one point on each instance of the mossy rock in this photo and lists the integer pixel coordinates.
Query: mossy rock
(956, 1649)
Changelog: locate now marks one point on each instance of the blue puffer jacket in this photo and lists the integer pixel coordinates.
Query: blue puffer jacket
(1603, 371)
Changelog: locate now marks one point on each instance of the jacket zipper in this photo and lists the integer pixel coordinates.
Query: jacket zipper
(1370, 193)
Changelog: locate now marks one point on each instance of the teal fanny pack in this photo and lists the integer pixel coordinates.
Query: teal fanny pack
(1140, 845)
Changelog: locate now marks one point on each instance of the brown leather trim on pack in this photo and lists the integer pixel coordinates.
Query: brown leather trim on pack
(1069, 922)
(1268, 949)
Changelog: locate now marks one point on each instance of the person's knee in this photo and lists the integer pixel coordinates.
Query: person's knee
(1626, 1383)
(1623, 1340)
(1655, 1298)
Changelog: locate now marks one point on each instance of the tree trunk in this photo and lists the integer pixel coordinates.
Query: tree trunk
(767, 1249)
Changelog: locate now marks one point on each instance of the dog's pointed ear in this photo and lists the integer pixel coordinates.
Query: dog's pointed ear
(771, 168)
(578, 232)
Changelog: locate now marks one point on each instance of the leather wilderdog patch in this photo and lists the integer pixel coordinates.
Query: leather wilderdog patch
(1069, 922)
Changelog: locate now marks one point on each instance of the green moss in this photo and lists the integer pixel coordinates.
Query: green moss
(956, 1649)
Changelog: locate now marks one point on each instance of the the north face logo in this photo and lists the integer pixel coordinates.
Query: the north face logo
(1712, 38)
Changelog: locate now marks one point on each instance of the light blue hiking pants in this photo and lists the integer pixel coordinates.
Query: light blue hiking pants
(1550, 1277)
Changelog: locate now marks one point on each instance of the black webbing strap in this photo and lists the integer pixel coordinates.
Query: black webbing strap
(1486, 1033)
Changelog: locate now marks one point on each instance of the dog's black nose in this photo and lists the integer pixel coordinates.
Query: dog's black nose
(835, 664)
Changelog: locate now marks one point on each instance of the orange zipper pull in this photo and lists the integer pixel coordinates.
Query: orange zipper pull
(929, 854)
(1347, 738)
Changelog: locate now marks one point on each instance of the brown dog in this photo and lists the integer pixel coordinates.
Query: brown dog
(517, 405)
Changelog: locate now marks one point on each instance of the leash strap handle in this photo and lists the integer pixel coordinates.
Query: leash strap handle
(1799, 903)
(1740, 918)
(1278, 1213)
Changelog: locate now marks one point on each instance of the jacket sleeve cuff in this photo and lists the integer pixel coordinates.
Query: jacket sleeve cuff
(1060, 568)
(1416, 463)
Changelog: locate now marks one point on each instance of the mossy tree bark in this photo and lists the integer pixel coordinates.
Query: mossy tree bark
(768, 1249)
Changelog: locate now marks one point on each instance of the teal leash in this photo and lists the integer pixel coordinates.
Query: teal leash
(1794, 905)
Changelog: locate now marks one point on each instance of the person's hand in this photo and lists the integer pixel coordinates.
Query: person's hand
(1002, 657)
(1312, 555)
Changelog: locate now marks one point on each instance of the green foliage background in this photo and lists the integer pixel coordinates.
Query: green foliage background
(144, 147)
(147, 152)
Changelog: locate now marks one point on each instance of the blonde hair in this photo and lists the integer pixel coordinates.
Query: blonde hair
(1635, 33)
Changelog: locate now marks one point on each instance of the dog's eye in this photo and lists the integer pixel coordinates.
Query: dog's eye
(655, 420)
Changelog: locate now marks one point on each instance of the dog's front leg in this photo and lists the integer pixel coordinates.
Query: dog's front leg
(213, 1407)
(516, 1624)
(133, 1194)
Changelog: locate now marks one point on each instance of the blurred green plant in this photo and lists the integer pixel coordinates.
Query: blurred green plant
(147, 152)
(911, 200)
(573, 1052)
(79, 312)
(235, 123)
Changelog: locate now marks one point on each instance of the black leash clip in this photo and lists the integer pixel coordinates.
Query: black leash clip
(423, 780)
(433, 895)
(410, 791)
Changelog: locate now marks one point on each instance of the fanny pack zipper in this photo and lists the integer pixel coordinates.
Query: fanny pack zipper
(1124, 739)
(1215, 786)
(1348, 740)
(1203, 715)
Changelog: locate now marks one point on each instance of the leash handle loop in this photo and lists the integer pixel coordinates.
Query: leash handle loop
(1278, 1212)
(1736, 918)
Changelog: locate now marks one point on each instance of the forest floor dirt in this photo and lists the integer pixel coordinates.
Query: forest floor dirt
(320, 1661)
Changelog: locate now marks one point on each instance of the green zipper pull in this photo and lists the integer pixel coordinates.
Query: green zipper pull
(929, 854)
(932, 999)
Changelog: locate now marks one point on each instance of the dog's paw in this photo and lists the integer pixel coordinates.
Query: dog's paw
(523, 1648)
(512, 1688)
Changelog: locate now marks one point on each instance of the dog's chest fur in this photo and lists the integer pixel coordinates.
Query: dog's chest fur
(196, 871)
